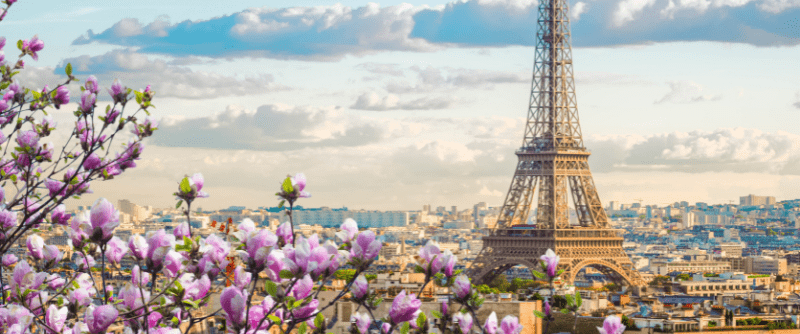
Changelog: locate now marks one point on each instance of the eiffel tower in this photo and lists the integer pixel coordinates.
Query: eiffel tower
(553, 158)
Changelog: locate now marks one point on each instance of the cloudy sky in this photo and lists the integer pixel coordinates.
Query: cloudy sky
(396, 105)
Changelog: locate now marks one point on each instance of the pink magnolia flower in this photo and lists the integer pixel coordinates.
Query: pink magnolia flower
(91, 85)
(348, 230)
(92, 162)
(8, 219)
(197, 289)
(462, 287)
(52, 255)
(612, 325)
(182, 230)
(62, 96)
(241, 278)
(111, 115)
(55, 282)
(104, 218)
(464, 321)
(366, 246)
(284, 232)
(360, 287)
(258, 245)
(511, 325)
(115, 250)
(86, 261)
(56, 317)
(16, 317)
(299, 183)
(302, 288)
(363, 321)
(550, 260)
(405, 307)
(547, 310)
(9, 259)
(98, 319)
(234, 303)
(159, 244)
(118, 92)
(275, 264)
(449, 262)
(28, 139)
(215, 248)
(307, 310)
(196, 181)
(138, 277)
(84, 294)
(88, 100)
(173, 263)
(35, 245)
(491, 324)
(79, 229)
(138, 246)
(432, 258)
(59, 215)
(33, 46)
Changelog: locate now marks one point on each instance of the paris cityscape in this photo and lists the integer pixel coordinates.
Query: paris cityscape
(400, 167)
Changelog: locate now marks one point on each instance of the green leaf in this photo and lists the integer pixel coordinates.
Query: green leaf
(19, 45)
(559, 272)
(319, 320)
(280, 205)
(405, 328)
(565, 311)
(68, 69)
(185, 186)
(298, 303)
(285, 274)
(274, 319)
(569, 299)
(421, 319)
(272, 288)
(578, 299)
(537, 274)
(436, 314)
(287, 185)
(539, 314)
(179, 204)
(302, 328)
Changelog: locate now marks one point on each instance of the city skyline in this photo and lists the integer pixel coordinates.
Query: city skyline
(425, 102)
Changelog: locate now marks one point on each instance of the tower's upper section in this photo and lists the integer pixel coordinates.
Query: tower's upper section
(553, 112)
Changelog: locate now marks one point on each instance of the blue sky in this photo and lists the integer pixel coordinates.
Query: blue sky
(396, 105)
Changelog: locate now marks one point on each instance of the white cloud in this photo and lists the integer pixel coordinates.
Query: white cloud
(627, 10)
(687, 92)
(486, 192)
(372, 101)
(432, 78)
(778, 6)
(736, 150)
(137, 70)
(577, 10)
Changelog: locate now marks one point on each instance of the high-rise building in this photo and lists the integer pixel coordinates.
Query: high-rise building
(137, 213)
(751, 199)
(613, 205)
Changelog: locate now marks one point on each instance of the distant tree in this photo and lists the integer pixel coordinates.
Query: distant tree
(500, 283)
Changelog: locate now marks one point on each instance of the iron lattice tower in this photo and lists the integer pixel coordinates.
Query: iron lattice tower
(553, 158)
